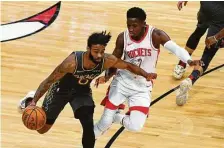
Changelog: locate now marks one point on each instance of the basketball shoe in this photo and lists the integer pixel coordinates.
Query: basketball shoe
(182, 92)
(178, 72)
(24, 102)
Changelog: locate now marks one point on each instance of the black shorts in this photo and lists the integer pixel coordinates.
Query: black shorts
(214, 29)
(56, 99)
(212, 12)
(202, 20)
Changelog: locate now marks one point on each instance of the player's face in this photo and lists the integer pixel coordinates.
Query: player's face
(135, 26)
(97, 53)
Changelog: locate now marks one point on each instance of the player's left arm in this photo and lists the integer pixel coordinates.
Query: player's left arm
(160, 37)
(112, 61)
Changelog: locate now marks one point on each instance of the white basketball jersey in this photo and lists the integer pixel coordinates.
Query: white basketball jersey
(141, 53)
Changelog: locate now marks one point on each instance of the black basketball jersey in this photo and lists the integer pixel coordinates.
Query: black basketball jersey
(81, 78)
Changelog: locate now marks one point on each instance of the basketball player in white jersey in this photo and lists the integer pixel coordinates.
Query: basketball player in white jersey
(140, 44)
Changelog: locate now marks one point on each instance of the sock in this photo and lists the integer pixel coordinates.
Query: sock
(181, 63)
(190, 51)
(194, 76)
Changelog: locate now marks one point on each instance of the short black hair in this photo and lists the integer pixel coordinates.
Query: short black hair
(136, 12)
(101, 38)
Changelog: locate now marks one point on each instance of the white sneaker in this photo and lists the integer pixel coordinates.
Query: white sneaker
(178, 72)
(24, 101)
(182, 92)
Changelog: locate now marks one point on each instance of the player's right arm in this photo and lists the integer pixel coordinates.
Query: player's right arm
(118, 52)
(67, 66)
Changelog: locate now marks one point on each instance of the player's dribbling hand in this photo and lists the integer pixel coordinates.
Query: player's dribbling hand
(151, 76)
(180, 4)
(32, 103)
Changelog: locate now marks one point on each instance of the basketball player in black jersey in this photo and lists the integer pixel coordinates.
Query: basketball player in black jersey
(192, 41)
(70, 82)
(213, 11)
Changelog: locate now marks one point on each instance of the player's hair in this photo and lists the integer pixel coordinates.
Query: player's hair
(101, 38)
(136, 12)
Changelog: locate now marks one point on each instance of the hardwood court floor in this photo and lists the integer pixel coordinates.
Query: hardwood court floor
(27, 61)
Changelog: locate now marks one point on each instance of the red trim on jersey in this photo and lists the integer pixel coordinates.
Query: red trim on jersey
(105, 102)
(143, 37)
(110, 105)
(142, 109)
(121, 106)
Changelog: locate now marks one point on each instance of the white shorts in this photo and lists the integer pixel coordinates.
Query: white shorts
(118, 94)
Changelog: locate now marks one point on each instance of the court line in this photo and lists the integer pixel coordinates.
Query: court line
(111, 141)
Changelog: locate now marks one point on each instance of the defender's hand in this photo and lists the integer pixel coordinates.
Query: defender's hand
(151, 76)
(195, 63)
(180, 4)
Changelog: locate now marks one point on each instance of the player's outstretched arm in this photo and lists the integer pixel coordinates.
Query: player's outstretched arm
(67, 66)
(112, 61)
(163, 39)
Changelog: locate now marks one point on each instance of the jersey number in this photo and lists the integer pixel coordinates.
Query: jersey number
(139, 62)
(83, 81)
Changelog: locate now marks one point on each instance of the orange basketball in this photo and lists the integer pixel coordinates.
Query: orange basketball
(34, 117)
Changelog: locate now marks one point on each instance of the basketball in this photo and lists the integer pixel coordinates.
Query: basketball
(34, 117)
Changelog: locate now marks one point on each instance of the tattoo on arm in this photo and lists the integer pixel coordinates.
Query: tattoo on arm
(62, 69)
